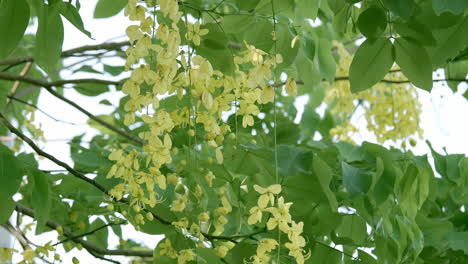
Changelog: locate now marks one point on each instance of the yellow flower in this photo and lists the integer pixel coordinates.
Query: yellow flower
(255, 215)
(179, 204)
(209, 177)
(194, 33)
(185, 256)
(204, 217)
(281, 216)
(166, 249)
(28, 254)
(267, 194)
(221, 251)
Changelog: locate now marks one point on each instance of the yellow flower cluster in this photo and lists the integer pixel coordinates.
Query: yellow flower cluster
(392, 110)
(183, 256)
(173, 70)
(279, 217)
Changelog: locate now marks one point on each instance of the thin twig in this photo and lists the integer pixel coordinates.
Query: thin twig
(97, 185)
(87, 233)
(48, 86)
(15, 86)
(68, 53)
(42, 111)
(87, 245)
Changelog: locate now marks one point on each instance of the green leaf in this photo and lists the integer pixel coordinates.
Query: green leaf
(14, 19)
(92, 89)
(283, 46)
(260, 34)
(450, 42)
(326, 62)
(401, 8)
(113, 70)
(456, 70)
(87, 68)
(40, 199)
(237, 24)
(366, 258)
(280, 7)
(99, 237)
(414, 62)
(371, 63)
(309, 48)
(10, 173)
(324, 174)
(352, 227)
(246, 4)
(7, 206)
(49, 39)
(208, 256)
(308, 9)
(355, 180)
(324, 254)
(372, 22)
(108, 8)
(416, 31)
(458, 241)
(71, 14)
(456, 7)
(240, 252)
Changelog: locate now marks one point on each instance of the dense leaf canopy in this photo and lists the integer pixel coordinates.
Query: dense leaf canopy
(207, 147)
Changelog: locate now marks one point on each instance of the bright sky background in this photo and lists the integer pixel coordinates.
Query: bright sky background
(443, 117)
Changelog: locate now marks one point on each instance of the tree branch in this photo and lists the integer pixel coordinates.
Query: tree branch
(69, 53)
(102, 188)
(48, 156)
(48, 86)
(87, 245)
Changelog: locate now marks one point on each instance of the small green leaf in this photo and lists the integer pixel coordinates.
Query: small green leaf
(414, 62)
(372, 22)
(14, 19)
(113, 70)
(49, 39)
(355, 180)
(92, 89)
(371, 63)
(10, 173)
(87, 68)
(108, 8)
(71, 14)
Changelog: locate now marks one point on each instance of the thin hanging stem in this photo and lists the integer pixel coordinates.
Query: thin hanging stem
(275, 143)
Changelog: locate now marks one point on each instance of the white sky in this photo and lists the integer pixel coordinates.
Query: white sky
(443, 117)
